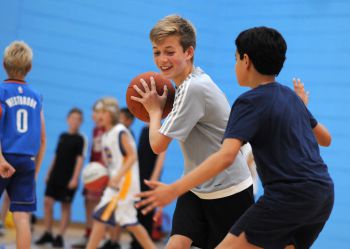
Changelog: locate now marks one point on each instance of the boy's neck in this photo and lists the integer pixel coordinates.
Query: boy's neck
(16, 77)
(187, 71)
(260, 79)
(108, 127)
(73, 131)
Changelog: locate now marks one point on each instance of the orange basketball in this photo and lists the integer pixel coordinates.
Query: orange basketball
(137, 108)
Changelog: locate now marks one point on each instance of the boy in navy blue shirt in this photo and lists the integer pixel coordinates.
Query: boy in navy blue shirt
(22, 138)
(298, 191)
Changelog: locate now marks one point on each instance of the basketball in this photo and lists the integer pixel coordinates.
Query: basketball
(95, 176)
(136, 108)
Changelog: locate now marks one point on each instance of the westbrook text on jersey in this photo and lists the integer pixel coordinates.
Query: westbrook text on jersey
(21, 100)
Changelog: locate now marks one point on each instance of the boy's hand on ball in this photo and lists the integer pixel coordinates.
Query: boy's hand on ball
(160, 196)
(150, 99)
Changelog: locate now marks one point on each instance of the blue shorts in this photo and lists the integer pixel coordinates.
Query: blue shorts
(290, 217)
(21, 186)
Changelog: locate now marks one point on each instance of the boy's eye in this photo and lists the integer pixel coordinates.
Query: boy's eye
(170, 52)
(156, 53)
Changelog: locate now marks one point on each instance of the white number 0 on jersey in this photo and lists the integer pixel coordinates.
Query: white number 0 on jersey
(22, 120)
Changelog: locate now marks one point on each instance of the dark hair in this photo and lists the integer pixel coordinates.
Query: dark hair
(75, 110)
(127, 113)
(265, 47)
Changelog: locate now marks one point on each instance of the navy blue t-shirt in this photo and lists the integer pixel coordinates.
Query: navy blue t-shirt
(277, 124)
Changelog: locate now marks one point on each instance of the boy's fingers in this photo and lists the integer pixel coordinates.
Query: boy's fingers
(138, 90)
(145, 202)
(144, 194)
(153, 84)
(148, 209)
(136, 99)
(152, 184)
(145, 85)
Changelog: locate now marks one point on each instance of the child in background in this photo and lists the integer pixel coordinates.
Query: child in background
(92, 198)
(150, 167)
(298, 190)
(126, 118)
(117, 203)
(22, 139)
(63, 178)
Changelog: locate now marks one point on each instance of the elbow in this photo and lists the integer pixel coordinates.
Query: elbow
(157, 148)
(325, 142)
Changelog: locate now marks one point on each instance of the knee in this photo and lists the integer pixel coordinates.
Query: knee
(21, 217)
(179, 242)
(48, 203)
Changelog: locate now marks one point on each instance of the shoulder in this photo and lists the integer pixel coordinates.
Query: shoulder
(197, 83)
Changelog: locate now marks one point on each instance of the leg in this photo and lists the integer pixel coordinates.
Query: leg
(65, 219)
(189, 223)
(147, 222)
(179, 242)
(5, 207)
(233, 242)
(48, 213)
(115, 234)
(23, 234)
(97, 233)
(142, 236)
(89, 207)
(222, 213)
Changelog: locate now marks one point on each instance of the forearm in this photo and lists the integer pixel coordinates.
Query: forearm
(158, 141)
(77, 168)
(39, 158)
(212, 166)
(158, 167)
(128, 163)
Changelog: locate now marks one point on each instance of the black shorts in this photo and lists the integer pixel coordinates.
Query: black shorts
(287, 219)
(207, 222)
(60, 193)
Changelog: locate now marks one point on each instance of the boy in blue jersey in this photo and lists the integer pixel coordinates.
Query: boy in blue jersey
(298, 190)
(22, 138)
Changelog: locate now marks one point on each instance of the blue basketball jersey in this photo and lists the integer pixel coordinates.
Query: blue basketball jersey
(20, 119)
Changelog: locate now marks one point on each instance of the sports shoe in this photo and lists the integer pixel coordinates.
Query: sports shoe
(82, 243)
(45, 238)
(58, 242)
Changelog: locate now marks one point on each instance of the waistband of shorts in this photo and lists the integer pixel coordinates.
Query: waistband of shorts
(227, 191)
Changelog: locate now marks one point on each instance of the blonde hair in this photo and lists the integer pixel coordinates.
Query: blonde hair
(111, 105)
(18, 59)
(175, 25)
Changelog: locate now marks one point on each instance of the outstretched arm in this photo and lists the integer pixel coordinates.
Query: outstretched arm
(321, 133)
(39, 158)
(162, 194)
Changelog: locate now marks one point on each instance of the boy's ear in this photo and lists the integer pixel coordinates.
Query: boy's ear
(190, 52)
(246, 60)
(29, 67)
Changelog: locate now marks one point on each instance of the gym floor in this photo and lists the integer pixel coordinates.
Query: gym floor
(73, 234)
